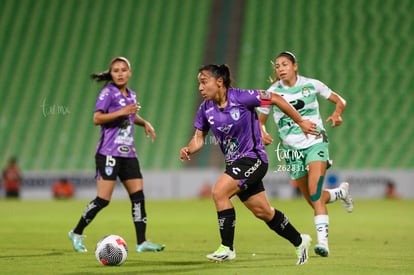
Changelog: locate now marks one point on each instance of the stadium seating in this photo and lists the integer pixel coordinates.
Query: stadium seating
(362, 49)
(53, 46)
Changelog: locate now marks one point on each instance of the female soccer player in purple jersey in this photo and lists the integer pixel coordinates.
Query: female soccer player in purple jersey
(231, 116)
(116, 113)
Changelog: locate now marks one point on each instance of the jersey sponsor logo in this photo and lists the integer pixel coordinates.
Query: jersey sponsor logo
(210, 120)
(122, 102)
(225, 128)
(124, 149)
(252, 169)
(298, 104)
(235, 114)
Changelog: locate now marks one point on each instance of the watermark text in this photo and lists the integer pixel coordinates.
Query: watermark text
(54, 109)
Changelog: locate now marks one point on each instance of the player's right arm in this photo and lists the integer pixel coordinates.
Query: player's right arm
(99, 117)
(195, 144)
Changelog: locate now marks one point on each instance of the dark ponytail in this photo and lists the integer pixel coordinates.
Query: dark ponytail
(103, 76)
(217, 71)
(106, 75)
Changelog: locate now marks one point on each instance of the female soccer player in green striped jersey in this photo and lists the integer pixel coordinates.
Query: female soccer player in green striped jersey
(306, 156)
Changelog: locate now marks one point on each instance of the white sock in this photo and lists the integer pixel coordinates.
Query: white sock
(322, 225)
(335, 194)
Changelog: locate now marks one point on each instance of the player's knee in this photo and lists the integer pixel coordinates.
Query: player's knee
(219, 195)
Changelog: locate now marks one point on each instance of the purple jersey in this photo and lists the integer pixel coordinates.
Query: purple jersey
(236, 127)
(117, 137)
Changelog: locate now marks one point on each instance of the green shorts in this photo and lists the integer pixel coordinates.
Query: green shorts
(297, 160)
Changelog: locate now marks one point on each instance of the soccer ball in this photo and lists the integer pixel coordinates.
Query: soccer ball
(111, 250)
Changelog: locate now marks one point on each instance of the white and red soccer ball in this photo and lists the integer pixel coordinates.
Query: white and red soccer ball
(111, 250)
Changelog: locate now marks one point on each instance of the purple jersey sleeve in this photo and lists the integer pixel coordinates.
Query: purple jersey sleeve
(201, 121)
(103, 101)
(248, 98)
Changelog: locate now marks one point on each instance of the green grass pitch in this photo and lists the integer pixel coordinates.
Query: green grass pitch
(377, 238)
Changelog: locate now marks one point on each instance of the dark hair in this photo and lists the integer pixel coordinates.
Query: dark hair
(106, 75)
(217, 71)
(289, 56)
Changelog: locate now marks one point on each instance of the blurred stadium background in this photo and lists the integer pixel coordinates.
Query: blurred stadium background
(362, 49)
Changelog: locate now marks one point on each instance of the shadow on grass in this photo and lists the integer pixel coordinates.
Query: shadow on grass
(56, 253)
(172, 267)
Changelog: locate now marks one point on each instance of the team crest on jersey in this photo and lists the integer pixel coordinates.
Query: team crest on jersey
(235, 114)
(108, 170)
(305, 92)
(225, 128)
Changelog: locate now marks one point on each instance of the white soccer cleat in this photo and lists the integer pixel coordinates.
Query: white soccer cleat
(223, 253)
(347, 201)
(321, 250)
(302, 249)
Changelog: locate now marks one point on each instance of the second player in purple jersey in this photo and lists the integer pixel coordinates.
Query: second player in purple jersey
(116, 113)
(117, 137)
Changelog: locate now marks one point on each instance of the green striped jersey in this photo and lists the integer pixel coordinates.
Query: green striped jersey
(303, 96)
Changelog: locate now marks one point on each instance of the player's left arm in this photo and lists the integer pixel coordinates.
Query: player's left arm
(149, 130)
(340, 103)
